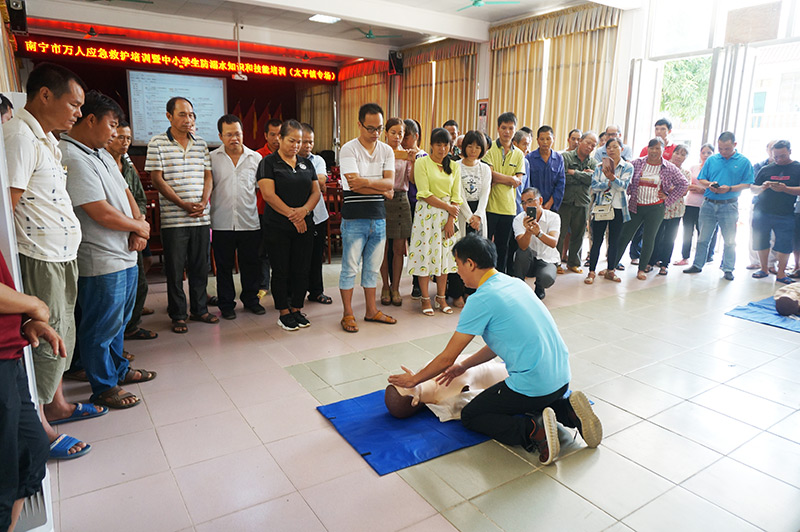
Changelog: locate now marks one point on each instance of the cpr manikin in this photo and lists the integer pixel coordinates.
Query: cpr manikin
(445, 401)
(787, 300)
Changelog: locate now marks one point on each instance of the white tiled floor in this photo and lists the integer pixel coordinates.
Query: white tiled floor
(700, 411)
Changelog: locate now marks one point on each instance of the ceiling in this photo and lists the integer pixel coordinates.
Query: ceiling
(285, 26)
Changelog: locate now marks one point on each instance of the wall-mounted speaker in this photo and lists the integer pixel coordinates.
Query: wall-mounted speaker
(395, 62)
(18, 17)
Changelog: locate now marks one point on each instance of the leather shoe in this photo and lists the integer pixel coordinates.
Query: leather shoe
(693, 269)
(256, 309)
(229, 314)
(728, 276)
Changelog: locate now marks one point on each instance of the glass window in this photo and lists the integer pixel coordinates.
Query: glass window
(680, 26)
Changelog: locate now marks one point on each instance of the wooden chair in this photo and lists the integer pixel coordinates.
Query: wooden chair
(334, 195)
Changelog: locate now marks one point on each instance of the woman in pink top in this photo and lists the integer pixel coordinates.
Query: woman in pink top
(694, 200)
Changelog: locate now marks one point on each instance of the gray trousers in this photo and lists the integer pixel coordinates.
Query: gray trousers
(526, 264)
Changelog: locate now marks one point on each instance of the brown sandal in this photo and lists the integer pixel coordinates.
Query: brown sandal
(611, 276)
(144, 376)
(349, 324)
(113, 397)
(641, 275)
(386, 297)
(380, 317)
(590, 278)
(205, 318)
(397, 299)
(179, 326)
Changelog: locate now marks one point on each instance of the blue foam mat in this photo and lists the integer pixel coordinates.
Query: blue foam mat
(389, 444)
(764, 312)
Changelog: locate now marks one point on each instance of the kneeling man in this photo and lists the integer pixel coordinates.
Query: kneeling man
(536, 231)
(525, 408)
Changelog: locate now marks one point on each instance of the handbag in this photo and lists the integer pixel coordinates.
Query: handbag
(603, 212)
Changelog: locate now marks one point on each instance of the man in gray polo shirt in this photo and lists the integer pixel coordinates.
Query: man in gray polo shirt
(113, 231)
(180, 167)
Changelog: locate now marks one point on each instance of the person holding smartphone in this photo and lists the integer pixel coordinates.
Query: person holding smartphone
(536, 231)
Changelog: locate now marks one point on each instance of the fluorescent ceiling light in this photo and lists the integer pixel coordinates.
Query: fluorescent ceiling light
(325, 19)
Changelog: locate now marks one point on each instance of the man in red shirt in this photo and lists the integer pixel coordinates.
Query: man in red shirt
(23, 442)
(663, 128)
(271, 134)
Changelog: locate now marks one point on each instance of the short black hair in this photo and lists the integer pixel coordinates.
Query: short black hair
(507, 117)
(5, 104)
(289, 125)
(709, 146)
(478, 249)
(98, 104)
(172, 101)
(575, 130)
(411, 127)
(614, 139)
(664, 122)
(474, 137)
(307, 127)
(655, 141)
(228, 119)
(727, 136)
(781, 145)
(519, 135)
(543, 129)
(534, 190)
(54, 77)
(441, 136)
(527, 130)
(369, 109)
(272, 122)
(451, 122)
(123, 123)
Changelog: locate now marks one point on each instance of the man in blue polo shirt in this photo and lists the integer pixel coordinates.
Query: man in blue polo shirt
(725, 175)
(525, 408)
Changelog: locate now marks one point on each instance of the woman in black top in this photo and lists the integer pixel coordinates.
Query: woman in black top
(287, 183)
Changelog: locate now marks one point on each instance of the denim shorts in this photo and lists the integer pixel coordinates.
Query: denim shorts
(782, 225)
(362, 243)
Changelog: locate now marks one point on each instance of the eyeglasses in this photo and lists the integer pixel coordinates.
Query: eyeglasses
(371, 129)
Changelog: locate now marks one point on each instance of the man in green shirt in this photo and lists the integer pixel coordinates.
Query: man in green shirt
(579, 166)
(118, 148)
(508, 168)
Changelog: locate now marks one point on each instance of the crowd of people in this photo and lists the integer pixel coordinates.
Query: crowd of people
(82, 233)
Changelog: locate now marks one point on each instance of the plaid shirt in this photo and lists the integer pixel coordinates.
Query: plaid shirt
(673, 183)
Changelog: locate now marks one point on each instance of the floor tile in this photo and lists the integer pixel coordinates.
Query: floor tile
(679, 509)
(706, 427)
(769, 387)
(346, 368)
(616, 485)
(614, 358)
(173, 406)
(391, 357)
(707, 366)
(785, 368)
(306, 378)
(437, 523)
(326, 396)
(766, 342)
(280, 419)
(288, 513)
(229, 483)
(743, 406)
(151, 503)
(755, 497)
(176, 376)
(363, 386)
(432, 488)
(102, 467)
(239, 362)
(467, 518)
(788, 428)
(773, 455)
(633, 396)
(363, 501)
(513, 509)
(613, 419)
(207, 437)
(586, 374)
(314, 457)
(477, 469)
(672, 380)
(737, 354)
(650, 347)
(259, 388)
(619, 527)
(670, 455)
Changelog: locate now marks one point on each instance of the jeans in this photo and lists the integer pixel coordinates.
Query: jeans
(186, 248)
(227, 245)
(499, 228)
(503, 414)
(691, 223)
(725, 215)
(650, 216)
(290, 258)
(598, 233)
(573, 221)
(22, 439)
(362, 243)
(527, 264)
(141, 295)
(105, 303)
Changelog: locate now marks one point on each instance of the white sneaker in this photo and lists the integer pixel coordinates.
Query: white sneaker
(587, 421)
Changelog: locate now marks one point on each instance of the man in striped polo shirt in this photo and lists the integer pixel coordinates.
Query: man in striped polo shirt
(180, 168)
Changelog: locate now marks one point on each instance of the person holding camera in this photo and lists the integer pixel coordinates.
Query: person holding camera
(536, 231)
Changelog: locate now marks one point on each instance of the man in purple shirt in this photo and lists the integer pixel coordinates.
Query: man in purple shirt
(547, 170)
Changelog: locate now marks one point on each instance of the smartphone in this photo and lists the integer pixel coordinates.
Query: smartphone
(530, 212)
(714, 185)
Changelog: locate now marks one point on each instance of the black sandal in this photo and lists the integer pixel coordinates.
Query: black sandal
(321, 298)
(205, 318)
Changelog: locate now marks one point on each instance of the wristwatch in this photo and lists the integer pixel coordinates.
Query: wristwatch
(539, 236)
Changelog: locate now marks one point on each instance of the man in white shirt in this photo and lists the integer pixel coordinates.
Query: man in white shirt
(367, 168)
(48, 232)
(612, 132)
(234, 218)
(316, 290)
(536, 237)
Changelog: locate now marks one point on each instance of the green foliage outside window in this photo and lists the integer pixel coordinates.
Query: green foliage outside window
(685, 88)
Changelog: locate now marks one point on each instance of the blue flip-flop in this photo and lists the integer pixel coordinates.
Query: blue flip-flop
(785, 280)
(760, 274)
(59, 449)
(82, 411)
